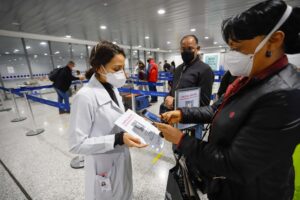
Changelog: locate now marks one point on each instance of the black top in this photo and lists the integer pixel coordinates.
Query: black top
(227, 79)
(167, 67)
(251, 141)
(64, 79)
(109, 88)
(196, 74)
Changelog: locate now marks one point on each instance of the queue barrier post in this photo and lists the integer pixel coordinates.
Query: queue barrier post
(36, 130)
(2, 108)
(19, 118)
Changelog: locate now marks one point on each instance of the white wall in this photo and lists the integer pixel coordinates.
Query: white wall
(176, 57)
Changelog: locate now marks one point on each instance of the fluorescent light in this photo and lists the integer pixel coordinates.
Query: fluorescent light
(193, 30)
(105, 4)
(16, 23)
(28, 47)
(43, 43)
(6, 52)
(35, 56)
(103, 27)
(57, 52)
(206, 37)
(89, 47)
(139, 46)
(16, 50)
(45, 54)
(68, 36)
(161, 11)
(215, 42)
(114, 42)
(220, 46)
(147, 37)
(168, 42)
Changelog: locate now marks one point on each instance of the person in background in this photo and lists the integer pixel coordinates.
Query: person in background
(152, 78)
(81, 83)
(226, 80)
(167, 66)
(62, 85)
(173, 66)
(192, 73)
(160, 68)
(172, 70)
(255, 131)
(142, 75)
(92, 132)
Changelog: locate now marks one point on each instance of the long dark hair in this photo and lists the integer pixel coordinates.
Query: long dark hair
(103, 52)
(260, 20)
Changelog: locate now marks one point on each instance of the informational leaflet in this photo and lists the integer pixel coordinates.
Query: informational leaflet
(138, 126)
(188, 97)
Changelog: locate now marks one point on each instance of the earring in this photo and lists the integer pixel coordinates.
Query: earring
(269, 54)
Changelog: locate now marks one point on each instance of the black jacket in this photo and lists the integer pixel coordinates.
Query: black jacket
(227, 79)
(64, 79)
(196, 74)
(251, 141)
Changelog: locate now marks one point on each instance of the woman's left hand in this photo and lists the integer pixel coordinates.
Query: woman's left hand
(170, 133)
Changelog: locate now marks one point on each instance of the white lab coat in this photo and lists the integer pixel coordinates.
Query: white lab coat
(92, 133)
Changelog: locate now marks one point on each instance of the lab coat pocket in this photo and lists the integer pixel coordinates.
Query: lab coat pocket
(107, 177)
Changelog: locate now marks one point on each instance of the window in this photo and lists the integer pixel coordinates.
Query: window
(13, 65)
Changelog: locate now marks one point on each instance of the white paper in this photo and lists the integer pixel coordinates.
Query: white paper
(187, 98)
(136, 125)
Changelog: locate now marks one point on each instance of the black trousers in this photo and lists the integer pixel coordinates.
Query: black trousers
(153, 89)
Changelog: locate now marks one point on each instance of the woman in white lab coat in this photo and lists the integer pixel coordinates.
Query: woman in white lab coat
(92, 132)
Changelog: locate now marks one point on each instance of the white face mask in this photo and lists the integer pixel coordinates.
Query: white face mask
(240, 64)
(116, 79)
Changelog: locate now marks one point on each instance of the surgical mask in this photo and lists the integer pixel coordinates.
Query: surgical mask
(187, 56)
(240, 64)
(116, 79)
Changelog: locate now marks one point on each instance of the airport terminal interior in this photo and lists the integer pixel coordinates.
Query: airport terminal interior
(37, 37)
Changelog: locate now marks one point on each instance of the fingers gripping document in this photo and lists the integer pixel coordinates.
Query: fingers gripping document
(136, 125)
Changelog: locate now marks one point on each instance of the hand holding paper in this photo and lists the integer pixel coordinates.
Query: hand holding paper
(132, 141)
(140, 128)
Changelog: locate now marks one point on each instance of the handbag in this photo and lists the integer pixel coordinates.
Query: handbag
(179, 185)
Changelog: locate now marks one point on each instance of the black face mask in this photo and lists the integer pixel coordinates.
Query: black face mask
(187, 56)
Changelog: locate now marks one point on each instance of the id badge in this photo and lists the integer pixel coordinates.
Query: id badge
(104, 183)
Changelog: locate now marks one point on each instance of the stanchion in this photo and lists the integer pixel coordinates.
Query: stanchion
(165, 86)
(18, 118)
(36, 130)
(133, 98)
(77, 162)
(2, 108)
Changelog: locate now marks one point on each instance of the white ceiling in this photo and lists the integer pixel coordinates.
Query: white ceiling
(127, 21)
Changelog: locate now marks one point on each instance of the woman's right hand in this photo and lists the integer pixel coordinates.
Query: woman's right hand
(132, 141)
(172, 117)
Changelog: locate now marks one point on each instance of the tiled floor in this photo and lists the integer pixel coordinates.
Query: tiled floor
(42, 163)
